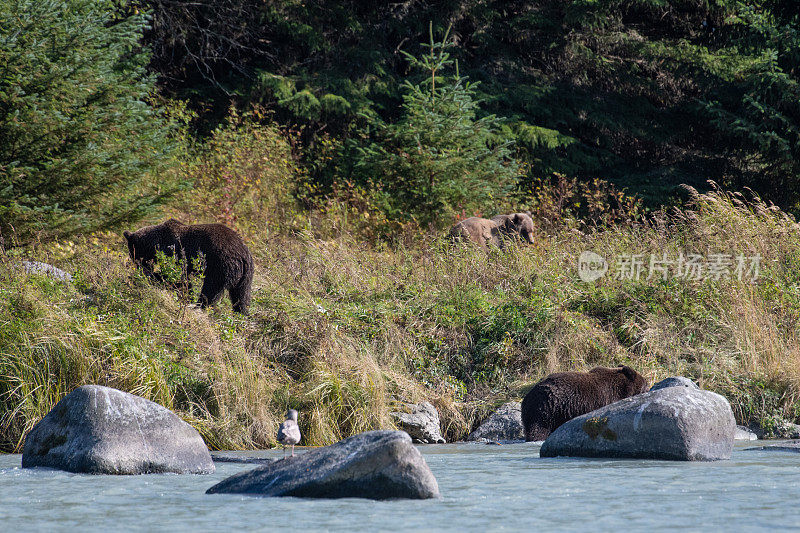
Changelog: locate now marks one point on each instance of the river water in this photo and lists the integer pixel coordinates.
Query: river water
(483, 488)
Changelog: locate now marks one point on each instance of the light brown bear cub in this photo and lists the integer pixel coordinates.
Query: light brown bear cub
(481, 231)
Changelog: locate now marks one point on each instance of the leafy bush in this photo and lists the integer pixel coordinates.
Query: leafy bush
(243, 175)
(597, 202)
(78, 140)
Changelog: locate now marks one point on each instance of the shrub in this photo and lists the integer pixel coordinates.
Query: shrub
(244, 175)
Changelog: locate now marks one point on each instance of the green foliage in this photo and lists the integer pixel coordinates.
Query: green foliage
(243, 174)
(561, 200)
(439, 159)
(645, 94)
(176, 274)
(78, 138)
(761, 122)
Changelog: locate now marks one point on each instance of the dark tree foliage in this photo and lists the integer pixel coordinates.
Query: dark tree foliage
(77, 138)
(647, 93)
(758, 122)
(207, 41)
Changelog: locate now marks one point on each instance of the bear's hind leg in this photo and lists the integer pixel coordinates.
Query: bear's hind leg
(241, 292)
(211, 292)
(240, 298)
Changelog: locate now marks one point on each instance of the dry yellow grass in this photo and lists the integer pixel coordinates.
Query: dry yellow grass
(342, 329)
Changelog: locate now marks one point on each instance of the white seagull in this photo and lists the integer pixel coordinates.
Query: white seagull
(289, 431)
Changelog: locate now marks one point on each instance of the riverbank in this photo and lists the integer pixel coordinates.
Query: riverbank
(343, 330)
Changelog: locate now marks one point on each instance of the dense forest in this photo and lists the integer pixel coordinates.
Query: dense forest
(645, 93)
(637, 96)
(342, 139)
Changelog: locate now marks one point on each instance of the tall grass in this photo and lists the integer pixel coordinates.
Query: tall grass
(344, 330)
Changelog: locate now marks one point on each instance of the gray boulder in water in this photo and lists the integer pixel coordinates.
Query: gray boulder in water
(35, 267)
(504, 424)
(378, 465)
(100, 430)
(676, 423)
(675, 381)
(744, 433)
(422, 423)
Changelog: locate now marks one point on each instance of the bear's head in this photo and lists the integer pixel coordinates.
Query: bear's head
(141, 252)
(633, 383)
(517, 225)
(524, 225)
(145, 242)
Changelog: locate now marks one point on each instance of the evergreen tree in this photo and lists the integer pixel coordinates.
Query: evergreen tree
(760, 122)
(78, 142)
(439, 159)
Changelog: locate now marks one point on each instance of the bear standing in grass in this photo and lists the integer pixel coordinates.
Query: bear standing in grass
(561, 397)
(480, 231)
(228, 263)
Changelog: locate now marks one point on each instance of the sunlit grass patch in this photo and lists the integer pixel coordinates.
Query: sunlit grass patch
(345, 331)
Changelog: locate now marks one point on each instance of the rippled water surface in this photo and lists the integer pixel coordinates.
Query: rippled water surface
(483, 488)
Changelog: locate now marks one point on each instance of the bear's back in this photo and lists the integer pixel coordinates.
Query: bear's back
(576, 390)
(213, 239)
(478, 230)
(562, 396)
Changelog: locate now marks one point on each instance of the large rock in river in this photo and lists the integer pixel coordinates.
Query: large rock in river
(504, 424)
(378, 465)
(675, 381)
(100, 430)
(677, 423)
(422, 423)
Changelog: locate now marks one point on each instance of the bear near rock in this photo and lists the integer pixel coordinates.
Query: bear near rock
(561, 397)
(515, 226)
(480, 231)
(228, 262)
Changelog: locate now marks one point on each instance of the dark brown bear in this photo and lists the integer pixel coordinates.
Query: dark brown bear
(228, 263)
(563, 396)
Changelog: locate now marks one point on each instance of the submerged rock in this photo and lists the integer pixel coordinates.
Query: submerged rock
(503, 424)
(675, 381)
(378, 465)
(791, 446)
(422, 423)
(676, 423)
(242, 460)
(35, 267)
(100, 430)
(744, 433)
